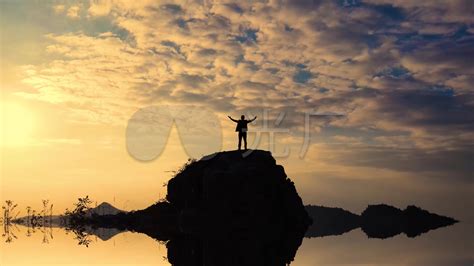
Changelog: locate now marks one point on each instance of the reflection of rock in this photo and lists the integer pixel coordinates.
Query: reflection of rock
(382, 221)
(377, 221)
(103, 233)
(330, 221)
(235, 248)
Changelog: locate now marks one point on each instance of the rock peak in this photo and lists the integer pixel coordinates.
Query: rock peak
(236, 155)
(244, 185)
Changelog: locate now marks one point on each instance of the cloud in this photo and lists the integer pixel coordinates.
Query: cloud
(434, 11)
(434, 118)
(73, 12)
(447, 165)
(99, 8)
(401, 71)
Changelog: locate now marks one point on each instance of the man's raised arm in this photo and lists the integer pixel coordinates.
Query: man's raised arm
(251, 120)
(232, 119)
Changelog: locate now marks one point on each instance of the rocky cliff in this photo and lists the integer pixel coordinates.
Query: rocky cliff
(236, 189)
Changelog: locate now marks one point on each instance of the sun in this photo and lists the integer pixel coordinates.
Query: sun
(16, 124)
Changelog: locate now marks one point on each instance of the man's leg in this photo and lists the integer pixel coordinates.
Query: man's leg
(240, 139)
(245, 139)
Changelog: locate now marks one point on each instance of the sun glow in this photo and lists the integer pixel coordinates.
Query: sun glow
(16, 123)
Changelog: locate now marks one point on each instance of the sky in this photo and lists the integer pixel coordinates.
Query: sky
(362, 102)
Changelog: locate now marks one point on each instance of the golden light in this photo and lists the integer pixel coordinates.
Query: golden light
(16, 123)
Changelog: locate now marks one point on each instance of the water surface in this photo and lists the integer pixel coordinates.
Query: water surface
(452, 245)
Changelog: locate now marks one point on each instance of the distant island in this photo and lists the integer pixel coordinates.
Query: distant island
(376, 221)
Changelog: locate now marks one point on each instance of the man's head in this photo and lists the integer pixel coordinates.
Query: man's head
(242, 117)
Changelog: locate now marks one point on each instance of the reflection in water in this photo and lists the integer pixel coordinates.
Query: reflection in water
(451, 245)
(126, 248)
(447, 246)
(82, 238)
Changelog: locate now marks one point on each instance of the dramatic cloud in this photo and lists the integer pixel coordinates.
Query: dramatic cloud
(400, 71)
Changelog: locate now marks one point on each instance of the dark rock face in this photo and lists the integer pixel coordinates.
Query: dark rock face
(382, 221)
(233, 190)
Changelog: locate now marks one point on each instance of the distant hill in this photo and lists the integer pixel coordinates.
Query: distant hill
(105, 208)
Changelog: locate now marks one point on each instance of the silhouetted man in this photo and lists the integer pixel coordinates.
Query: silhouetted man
(242, 128)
